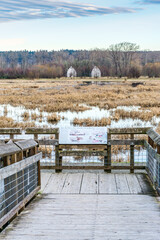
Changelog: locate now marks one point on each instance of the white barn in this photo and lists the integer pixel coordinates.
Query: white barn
(96, 73)
(71, 73)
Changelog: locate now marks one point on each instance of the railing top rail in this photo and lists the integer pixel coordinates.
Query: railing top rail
(18, 166)
(41, 130)
(6, 131)
(8, 149)
(154, 136)
(26, 144)
(117, 131)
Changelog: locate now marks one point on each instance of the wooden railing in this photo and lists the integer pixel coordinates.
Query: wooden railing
(103, 150)
(153, 160)
(116, 137)
(19, 177)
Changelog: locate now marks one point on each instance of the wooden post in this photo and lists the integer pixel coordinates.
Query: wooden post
(108, 157)
(132, 155)
(11, 136)
(150, 141)
(35, 136)
(58, 159)
(105, 159)
(158, 151)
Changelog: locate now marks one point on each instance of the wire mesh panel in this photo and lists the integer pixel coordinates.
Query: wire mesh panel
(48, 155)
(121, 155)
(140, 155)
(17, 187)
(153, 165)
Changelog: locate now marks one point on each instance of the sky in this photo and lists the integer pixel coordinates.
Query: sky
(78, 24)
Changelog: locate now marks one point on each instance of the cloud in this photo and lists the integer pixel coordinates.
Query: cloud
(149, 2)
(37, 9)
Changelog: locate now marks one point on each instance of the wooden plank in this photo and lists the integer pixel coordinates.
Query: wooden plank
(48, 142)
(82, 146)
(122, 184)
(72, 183)
(18, 166)
(107, 184)
(89, 183)
(70, 217)
(126, 142)
(83, 153)
(93, 167)
(8, 131)
(128, 130)
(133, 184)
(45, 177)
(41, 130)
(26, 144)
(55, 183)
(8, 149)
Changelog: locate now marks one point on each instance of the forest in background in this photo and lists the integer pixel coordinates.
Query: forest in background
(120, 60)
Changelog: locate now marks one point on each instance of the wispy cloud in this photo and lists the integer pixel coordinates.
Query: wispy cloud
(38, 9)
(149, 2)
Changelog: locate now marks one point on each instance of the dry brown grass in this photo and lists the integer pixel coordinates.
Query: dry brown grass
(6, 122)
(144, 115)
(34, 116)
(158, 128)
(53, 118)
(63, 95)
(46, 151)
(25, 116)
(90, 122)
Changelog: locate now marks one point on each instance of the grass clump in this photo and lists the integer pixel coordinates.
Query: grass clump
(90, 122)
(53, 118)
(25, 116)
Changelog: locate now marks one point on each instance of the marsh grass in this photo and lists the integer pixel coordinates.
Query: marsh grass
(6, 122)
(25, 116)
(46, 151)
(53, 118)
(90, 122)
(66, 95)
(74, 95)
(145, 115)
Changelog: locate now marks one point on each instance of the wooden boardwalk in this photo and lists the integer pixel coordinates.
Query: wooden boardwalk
(89, 206)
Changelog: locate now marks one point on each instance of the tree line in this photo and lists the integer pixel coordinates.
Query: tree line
(119, 60)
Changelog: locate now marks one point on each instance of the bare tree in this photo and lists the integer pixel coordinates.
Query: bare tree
(122, 56)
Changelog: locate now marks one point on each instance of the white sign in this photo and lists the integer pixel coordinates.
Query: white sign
(83, 135)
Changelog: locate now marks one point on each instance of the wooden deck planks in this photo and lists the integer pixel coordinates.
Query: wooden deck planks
(72, 183)
(133, 184)
(107, 184)
(89, 206)
(45, 176)
(95, 183)
(89, 183)
(122, 184)
(56, 183)
(90, 217)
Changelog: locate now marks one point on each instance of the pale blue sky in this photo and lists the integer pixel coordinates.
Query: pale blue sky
(78, 24)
